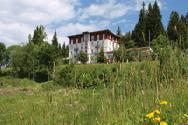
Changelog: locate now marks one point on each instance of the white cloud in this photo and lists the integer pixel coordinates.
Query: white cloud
(20, 17)
(108, 9)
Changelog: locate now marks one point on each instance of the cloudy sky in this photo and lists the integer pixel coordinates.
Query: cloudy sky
(18, 18)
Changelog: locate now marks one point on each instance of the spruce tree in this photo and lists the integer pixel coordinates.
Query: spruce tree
(172, 26)
(138, 34)
(154, 26)
(55, 40)
(119, 31)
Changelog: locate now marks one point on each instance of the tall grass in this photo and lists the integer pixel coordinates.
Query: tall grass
(106, 94)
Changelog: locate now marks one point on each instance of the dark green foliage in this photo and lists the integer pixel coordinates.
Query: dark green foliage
(65, 76)
(65, 51)
(154, 26)
(127, 40)
(84, 76)
(139, 32)
(2, 52)
(2, 55)
(149, 25)
(177, 30)
(83, 57)
(39, 35)
(100, 57)
(55, 40)
(119, 31)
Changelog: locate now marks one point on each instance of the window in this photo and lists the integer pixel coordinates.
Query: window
(92, 38)
(76, 40)
(97, 37)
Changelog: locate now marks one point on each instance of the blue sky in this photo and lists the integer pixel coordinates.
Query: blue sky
(18, 18)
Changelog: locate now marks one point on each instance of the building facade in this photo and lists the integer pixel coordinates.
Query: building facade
(92, 43)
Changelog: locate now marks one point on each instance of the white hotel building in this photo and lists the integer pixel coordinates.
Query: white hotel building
(92, 43)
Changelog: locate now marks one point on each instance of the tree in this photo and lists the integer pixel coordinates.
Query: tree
(159, 43)
(55, 40)
(23, 60)
(119, 31)
(2, 54)
(154, 26)
(65, 50)
(29, 38)
(127, 41)
(39, 35)
(100, 57)
(83, 57)
(138, 34)
(177, 29)
(172, 26)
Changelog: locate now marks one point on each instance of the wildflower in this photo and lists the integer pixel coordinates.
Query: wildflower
(150, 115)
(157, 119)
(163, 103)
(163, 123)
(157, 112)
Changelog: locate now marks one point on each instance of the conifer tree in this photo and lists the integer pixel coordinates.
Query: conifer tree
(119, 31)
(138, 34)
(55, 40)
(172, 26)
(154, 26)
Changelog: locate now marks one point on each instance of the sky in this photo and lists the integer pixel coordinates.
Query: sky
(18, 18)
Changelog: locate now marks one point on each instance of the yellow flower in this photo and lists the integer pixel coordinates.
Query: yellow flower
(150, 115)
(157, 119)
(157, 112)
(163, 123)
(163, 103)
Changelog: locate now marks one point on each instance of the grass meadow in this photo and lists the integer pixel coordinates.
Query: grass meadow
(117, 94)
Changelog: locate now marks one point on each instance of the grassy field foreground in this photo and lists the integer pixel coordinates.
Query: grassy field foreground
(125, 94)
(93, 106)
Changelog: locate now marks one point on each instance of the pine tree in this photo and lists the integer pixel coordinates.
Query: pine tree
(55, 40)
(119, 31)
(139, 31)
(154, 26)
(172, 26)
(29, 38)
(39, 35)
(177, 29)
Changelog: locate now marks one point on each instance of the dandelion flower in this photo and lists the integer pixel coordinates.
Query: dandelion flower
(150, 115)
(157, 112)
(157, 119)
(163, 103)
(163, 123)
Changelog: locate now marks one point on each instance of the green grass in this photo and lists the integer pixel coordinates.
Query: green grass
(8, 81)
(124, 94)
(92, 106)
